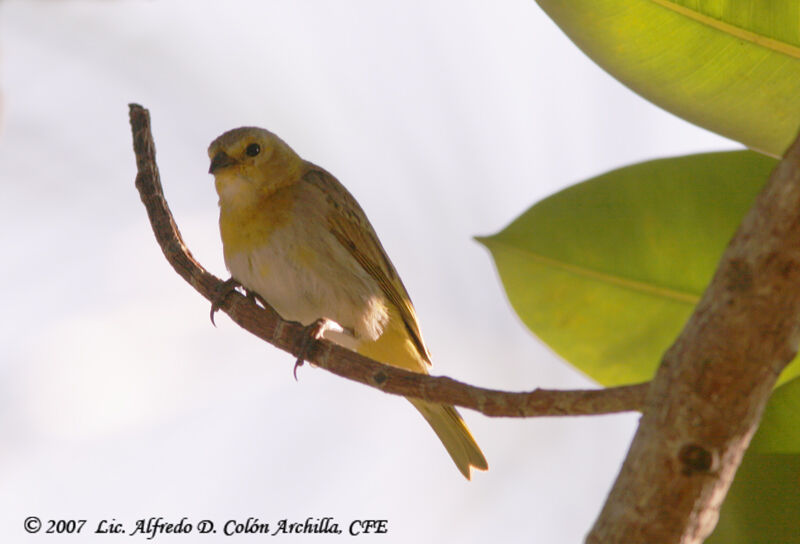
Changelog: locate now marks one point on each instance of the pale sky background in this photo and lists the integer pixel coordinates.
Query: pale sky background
(446, 119)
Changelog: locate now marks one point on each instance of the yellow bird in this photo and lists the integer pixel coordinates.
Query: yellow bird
(295, 236)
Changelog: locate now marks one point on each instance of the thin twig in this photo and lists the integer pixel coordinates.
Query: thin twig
(288, 336)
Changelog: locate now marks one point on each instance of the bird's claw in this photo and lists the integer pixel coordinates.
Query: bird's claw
(227, 287)
(311, 334)
(297, 364)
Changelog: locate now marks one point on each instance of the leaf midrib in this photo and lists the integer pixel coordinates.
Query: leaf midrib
(633, 285)
(727, 28)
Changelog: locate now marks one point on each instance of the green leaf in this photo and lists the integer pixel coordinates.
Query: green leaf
(731, 66)
(607, 272)
(763, 504)
(780, 425)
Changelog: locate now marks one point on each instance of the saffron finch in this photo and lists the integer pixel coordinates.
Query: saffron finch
(295, 236)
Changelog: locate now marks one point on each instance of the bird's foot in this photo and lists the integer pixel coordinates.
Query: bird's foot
(311, 334)
(227, 287)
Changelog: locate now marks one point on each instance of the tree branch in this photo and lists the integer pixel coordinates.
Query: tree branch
(709, 393)
(288, 336)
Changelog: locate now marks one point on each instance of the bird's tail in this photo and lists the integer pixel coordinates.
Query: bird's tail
(454, 434)
(395, 347)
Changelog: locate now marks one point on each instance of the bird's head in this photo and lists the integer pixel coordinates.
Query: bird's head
(251, 161)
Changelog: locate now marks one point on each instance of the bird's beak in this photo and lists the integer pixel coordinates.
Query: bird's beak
(220, 160)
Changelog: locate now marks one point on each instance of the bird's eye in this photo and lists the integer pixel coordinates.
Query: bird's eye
(253, 150)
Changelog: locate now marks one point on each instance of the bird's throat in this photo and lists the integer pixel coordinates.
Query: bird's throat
(247, 218)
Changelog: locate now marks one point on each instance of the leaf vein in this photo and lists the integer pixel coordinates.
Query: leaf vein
(735, 31)
(633, 285)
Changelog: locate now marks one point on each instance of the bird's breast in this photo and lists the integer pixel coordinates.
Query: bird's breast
(247, 226)
(301, 270)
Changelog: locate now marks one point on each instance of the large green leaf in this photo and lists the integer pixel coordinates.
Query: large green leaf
(763, 505)
(780, 426)
(606, 272)
(731, 66)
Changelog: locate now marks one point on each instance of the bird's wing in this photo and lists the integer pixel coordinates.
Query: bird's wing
(349, 224)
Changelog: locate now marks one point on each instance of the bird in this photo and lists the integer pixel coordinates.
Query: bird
(295, 237)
